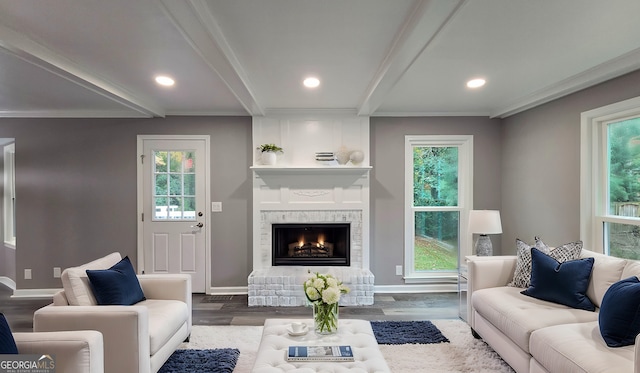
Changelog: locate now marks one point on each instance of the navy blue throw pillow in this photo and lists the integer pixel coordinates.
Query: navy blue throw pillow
(563, 283)
(117, 285)
(7, 343)
(619, 317)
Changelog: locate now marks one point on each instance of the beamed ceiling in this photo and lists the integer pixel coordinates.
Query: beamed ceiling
(91, 58)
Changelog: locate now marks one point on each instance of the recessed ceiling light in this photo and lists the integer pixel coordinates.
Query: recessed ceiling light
(475, 83)
(311, 82)
(164, 80)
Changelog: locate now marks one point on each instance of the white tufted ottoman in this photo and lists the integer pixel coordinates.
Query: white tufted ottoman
(356, 333)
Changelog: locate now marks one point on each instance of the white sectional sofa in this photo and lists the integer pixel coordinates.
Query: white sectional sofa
(534, 335)
(138, 338)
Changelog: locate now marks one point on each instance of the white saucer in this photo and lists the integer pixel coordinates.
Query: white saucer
(304, 331)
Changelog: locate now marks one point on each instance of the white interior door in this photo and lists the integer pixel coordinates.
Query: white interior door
(174, 220)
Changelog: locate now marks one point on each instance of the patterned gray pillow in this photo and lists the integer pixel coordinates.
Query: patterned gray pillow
(522, 274)
(568, 251)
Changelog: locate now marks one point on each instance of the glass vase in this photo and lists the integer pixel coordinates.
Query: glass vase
(325, 318)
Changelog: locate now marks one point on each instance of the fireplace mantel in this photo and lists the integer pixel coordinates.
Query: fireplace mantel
(318, 169)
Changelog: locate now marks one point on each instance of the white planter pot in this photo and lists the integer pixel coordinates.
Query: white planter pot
(268, 158)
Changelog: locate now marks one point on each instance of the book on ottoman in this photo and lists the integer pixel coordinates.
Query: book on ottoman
(320, 353)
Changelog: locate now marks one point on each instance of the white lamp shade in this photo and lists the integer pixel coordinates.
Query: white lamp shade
(485, 222)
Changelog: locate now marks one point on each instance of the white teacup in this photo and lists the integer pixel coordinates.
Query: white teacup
(297, 327)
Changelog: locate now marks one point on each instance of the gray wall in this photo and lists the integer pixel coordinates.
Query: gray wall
(76, 182)
(76, 191)
(541, 165)
(387, 181)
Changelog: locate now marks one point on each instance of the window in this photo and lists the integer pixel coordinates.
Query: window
(610, 185)
(438, 183)
(10, 195)
(174, 185)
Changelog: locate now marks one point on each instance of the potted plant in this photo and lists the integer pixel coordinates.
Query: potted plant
(268, 153)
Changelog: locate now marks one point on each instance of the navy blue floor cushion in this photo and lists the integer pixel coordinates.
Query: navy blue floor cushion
(406, 332)
(221, 360)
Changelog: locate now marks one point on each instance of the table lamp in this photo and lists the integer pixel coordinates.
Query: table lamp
(484, 222)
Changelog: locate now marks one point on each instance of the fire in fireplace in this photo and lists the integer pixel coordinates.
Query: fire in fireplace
(311, 244)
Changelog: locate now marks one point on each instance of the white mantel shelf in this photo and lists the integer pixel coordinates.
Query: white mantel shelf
(311, 169)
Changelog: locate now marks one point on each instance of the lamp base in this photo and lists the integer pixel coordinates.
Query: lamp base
(483, 246)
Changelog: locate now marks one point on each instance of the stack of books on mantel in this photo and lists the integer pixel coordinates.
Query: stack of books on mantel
(326, 158)
(320, 353)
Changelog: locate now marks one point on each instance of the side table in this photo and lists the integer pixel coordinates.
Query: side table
(463, 280)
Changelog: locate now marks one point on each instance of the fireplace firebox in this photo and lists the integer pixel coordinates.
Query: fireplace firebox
(311, 244)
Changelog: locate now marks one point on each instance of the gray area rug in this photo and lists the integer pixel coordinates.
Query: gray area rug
(463, 353)
(406, 332)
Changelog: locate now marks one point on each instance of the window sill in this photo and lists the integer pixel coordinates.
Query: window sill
(449, 277)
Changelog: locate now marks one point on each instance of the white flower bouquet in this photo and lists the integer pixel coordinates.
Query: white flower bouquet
(324, 291)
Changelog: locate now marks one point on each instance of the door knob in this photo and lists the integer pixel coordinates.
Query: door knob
(199, 225)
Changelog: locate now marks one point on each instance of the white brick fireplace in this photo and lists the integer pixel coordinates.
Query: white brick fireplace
(298, 190)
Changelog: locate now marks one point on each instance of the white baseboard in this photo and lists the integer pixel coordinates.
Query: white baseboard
(228, 290)
(422, 288)
(34, 293)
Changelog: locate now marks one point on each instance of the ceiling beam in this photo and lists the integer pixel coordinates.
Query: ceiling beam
(610, 69)
(194, 20)
(47, 59)
(423, 25)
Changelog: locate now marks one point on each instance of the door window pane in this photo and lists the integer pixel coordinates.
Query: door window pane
(175, 164)
(161, 161)
(189, 184)
(436, 240)
(435, 176)
(190, 162)
(174, 186)
(161, 184)
(161, 211)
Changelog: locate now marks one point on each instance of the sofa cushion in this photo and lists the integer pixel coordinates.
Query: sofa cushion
(565, 283)
(518, 315)
(117, 285)
(578, 348)
(619, 316)
(76, 283)
(7, 343)
(631, 268)
(166, 317)
(607, 270)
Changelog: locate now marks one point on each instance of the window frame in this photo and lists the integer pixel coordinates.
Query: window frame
(594, 171)
(465, 203)
(9, 195)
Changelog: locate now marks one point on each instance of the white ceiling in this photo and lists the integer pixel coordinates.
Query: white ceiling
(96, 58)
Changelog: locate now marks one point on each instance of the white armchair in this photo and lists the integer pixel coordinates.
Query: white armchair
(137, 338)
(75, 352)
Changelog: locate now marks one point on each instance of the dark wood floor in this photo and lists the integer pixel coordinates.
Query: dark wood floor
(233, 309)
